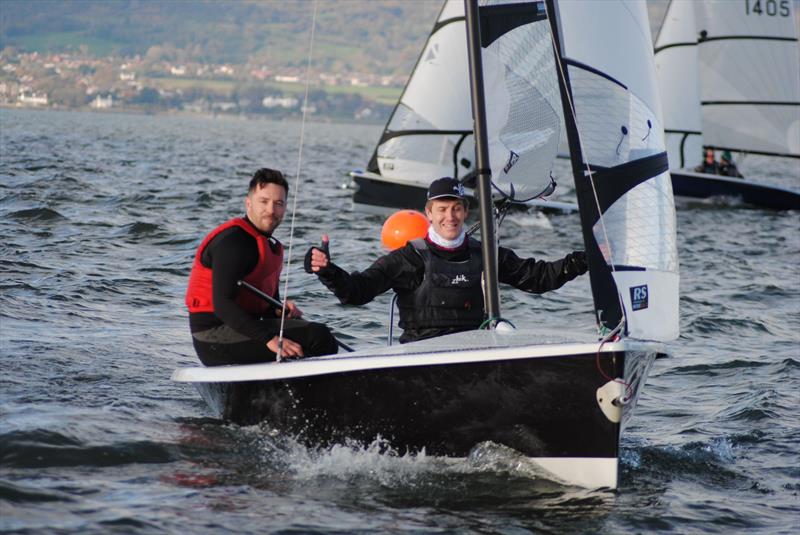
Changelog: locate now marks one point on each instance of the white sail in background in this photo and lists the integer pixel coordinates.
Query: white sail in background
(430, 132)
(608, 49)
(749, 65)
(742, 58)
(677, 69)
(434, 114)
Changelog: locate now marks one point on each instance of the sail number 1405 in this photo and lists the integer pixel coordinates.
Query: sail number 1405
(767, 7)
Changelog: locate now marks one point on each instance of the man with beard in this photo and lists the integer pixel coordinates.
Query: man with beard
(229, 324)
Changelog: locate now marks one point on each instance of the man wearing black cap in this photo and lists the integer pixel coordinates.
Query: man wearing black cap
(438, 278)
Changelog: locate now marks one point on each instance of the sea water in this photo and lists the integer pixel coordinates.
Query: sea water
(100, 215)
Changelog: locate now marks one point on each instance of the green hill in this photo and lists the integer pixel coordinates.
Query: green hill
(379, 36)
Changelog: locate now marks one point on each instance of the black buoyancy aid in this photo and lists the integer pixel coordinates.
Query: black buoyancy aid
(450, 294)
(264, 276)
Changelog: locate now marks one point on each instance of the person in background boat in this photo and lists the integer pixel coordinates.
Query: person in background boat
(438, 278)
(229, 324)
(709, 165)
(727, 167)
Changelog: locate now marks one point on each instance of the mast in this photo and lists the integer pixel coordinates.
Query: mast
(484, 174)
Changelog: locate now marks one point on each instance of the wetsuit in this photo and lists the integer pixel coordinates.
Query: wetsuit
(232, 335)
(729, 169)
(404, 269)
(708, 168)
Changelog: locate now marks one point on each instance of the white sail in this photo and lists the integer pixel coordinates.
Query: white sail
(523, 104)
(608, 49)
(731, 71)
(433, 115)
(677, 70)
(430, 132)
(749, 65)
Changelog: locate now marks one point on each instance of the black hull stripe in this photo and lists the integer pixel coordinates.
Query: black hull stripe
(701, 186)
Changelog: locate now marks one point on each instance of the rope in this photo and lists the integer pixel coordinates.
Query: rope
(613, 336)
(297, 181)
(493, 321)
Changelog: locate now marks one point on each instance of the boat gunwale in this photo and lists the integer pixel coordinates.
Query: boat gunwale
(363, 361)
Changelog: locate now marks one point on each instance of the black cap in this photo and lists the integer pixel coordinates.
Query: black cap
(445, 187)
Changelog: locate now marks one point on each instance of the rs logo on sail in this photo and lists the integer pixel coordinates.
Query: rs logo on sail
(639, 297)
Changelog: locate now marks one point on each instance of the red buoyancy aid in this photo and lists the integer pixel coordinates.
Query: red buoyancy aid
(264, 276)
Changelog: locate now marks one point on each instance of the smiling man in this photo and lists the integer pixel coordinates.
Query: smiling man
(438, 278)
(229, 324)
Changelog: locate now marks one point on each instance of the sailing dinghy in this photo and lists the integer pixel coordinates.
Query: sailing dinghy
(429, 133)
(729, 74)
(561, 401)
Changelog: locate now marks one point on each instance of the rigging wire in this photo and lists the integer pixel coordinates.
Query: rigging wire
(511, 196)
(590, 174)
(279, 355)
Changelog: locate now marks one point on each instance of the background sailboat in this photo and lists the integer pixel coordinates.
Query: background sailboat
(730, 80)
(561, 401)
(429, 134)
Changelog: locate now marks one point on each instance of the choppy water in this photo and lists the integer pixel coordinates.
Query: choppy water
(99, 218)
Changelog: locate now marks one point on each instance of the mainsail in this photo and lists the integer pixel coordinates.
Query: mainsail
(620, 165)
(744, 61)
(676, 66)
(430, 131)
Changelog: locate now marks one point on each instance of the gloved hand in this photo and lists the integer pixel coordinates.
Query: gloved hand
(323, 256)
(576, 263)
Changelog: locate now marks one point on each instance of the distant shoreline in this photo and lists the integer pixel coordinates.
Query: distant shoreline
(321, 119)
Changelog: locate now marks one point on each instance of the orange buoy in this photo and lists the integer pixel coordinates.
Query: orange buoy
(403, 226)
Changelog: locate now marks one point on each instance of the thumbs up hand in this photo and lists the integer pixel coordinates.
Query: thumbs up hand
(318, 258)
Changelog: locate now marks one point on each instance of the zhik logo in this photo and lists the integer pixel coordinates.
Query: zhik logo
(459, 278)
(639, 297)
